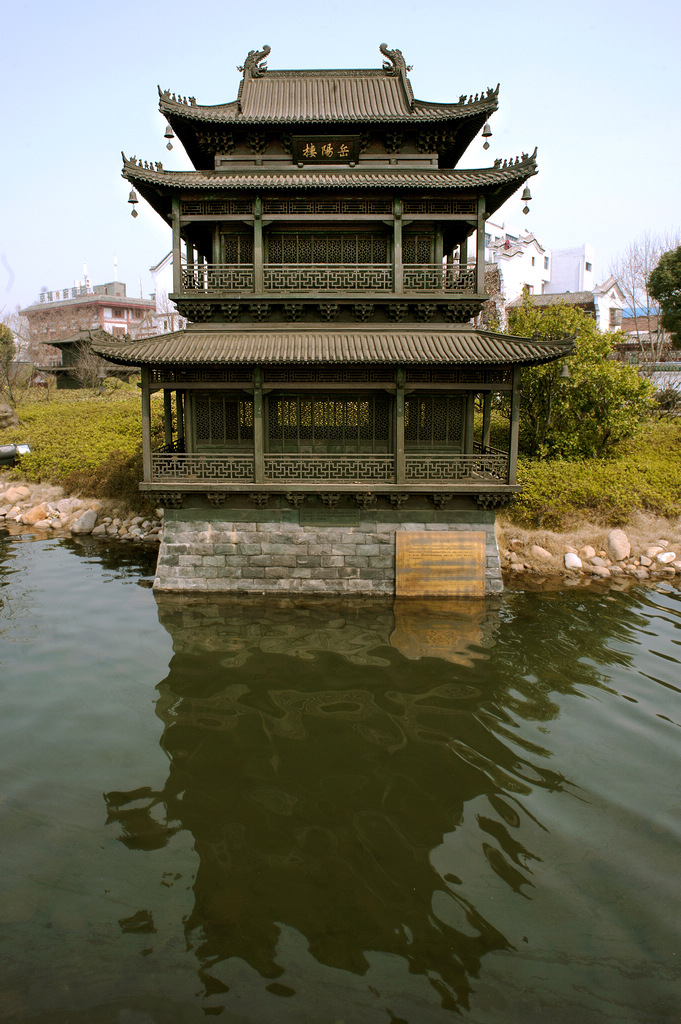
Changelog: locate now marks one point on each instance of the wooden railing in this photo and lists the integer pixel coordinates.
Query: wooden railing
(328, 469)
(218, 278)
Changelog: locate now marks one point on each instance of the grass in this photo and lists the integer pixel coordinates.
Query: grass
(90, 444)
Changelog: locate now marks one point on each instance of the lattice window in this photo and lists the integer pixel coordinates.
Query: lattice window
(417, 248)
(236, 247)
(215, 207)
(433, 421)
(223, 421)
(332, 204)
(329, 374)
(332, 247)
(437, 204)
(328, 423)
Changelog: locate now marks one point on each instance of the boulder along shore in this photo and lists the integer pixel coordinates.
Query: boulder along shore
(647, 549)
(46, 508)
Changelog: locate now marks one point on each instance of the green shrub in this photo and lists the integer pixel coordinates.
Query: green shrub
(643, 474)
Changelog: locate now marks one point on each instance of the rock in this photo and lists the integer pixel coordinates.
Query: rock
(597, 560)
(35, 514)
(619, 547)
(572, 560)
(15, 494)
(616, 570)
(42, 524)
(655, 549)
(587, 551)
(8, 417)
(539, 552)
(644, 560)
(665, 557)
(599, 570)
(677, 565)
(86, 523)
(99, 531)
(663, 543)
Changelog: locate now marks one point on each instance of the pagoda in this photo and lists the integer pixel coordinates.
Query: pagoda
(331, 390)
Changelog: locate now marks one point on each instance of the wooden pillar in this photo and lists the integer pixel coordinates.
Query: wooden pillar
(398, 274)
(480, 247)
(177, 245)
(167, 416)
(400, 461)
(439, 245)
(515, 423)
(258, 427)
(216, 243)
(486, 418)
(146, 425)
(463, 254)
(469, 429)
(179, 416)
(258, 273)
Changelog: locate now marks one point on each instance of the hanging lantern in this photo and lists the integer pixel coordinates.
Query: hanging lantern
(525, 197)
(169, 134)
(132, 198)
(486, 133)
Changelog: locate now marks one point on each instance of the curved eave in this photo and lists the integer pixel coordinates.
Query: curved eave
(496, 183)
(412, 345)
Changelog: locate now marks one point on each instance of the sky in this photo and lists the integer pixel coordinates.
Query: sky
(594, 85)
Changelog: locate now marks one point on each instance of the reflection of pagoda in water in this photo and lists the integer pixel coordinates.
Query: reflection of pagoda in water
(321, 774)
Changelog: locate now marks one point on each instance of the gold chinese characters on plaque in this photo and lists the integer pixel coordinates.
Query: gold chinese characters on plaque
(325, 149)
(440, 563)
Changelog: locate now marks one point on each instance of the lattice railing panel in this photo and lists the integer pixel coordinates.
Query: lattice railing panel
(218, 277)
(330, 468)
(200, 375)
(450, 468)
(209, 468)
(418, 277)
(328, 277)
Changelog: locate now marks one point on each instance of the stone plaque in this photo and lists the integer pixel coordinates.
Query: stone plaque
(329, 517)
(439, 563)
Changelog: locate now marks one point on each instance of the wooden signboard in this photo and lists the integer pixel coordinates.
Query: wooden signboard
(439, 563)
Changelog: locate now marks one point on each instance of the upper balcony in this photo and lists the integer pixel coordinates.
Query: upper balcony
(217, 280)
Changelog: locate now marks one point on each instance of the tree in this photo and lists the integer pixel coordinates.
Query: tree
(632, 270)
(581, 416)
(664, 284)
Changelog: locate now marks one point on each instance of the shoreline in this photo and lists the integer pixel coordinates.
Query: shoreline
(647, 549)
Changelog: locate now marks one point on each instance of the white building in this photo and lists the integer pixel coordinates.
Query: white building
(566, 275)
(167, 317)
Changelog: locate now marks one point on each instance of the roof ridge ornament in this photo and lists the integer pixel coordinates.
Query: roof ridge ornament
(395, 63)
(254, 64)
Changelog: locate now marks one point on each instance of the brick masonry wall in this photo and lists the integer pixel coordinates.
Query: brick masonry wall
(206, 554)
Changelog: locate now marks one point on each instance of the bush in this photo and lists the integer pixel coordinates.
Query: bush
(642, 475)
(86, 442)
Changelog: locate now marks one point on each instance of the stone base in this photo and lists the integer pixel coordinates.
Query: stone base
(272, 552)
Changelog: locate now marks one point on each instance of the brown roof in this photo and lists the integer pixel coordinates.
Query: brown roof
(411, 344)
(558, 299)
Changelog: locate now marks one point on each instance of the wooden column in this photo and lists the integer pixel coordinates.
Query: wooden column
(463, 254)
(486, 418)
(146, 425)
(480, 247)
(400, 461)
(515, 423)
(258, 273)
(179, 416)
(258, 427)
(167, 416)
(177, 245)
(469, 428)
(216, 244)
(439, 245)
(398, 275)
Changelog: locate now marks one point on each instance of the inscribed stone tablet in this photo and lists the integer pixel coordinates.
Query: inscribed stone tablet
(438, 563)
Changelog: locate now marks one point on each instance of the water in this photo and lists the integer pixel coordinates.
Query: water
(333, 813)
